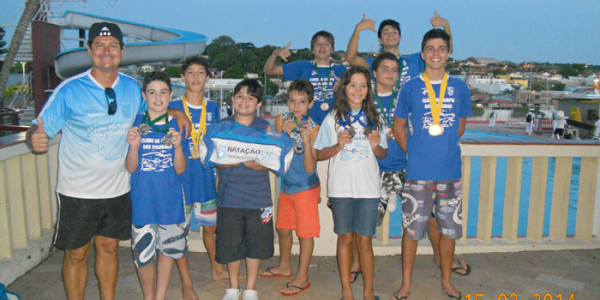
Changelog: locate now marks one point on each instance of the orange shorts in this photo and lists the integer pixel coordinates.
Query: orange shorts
(300, 212)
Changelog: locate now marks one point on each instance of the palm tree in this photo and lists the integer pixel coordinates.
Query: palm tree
(31, 7)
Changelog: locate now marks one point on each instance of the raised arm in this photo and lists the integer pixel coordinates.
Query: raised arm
(437, 21)
(179, 161)
(273, 69)
(352, 50)
(36, 137)
(134, 139)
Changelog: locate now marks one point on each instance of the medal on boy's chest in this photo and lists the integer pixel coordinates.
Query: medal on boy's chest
(167, 140)
(143, 129)
(195, 153)
(435, 129)
(324, 106)
(197, 134)
(388, 132)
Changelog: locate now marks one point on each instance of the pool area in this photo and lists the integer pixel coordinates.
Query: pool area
(477, 136)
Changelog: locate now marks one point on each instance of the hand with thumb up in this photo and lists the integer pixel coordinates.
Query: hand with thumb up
(37, 138)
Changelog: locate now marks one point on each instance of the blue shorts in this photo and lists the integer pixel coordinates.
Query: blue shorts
(358, 215)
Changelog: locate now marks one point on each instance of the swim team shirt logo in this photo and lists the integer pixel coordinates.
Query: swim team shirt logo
(447, 118)
(318, 86)
(159, 158)
(404, 77)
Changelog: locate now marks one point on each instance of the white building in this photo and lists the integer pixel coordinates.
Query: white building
(488, 84)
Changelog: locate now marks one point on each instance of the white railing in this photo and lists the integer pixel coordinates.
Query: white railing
(28, 204)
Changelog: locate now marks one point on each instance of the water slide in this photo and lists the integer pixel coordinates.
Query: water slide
(158, 44)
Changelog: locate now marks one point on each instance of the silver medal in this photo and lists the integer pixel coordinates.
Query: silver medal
(324, 106)
(167, 140)
(351, 132)
(367, 131)
(143, 129)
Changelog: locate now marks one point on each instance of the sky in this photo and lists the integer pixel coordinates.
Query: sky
(556, 31)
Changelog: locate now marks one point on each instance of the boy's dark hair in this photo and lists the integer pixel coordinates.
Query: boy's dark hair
(253, 88)
(326, 35)
(385, 55)
(156, 76)
(195, 60)
(435, 34)
(390, 22)
(303, 86)
(341, 106)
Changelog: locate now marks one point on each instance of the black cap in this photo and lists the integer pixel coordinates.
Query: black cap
(105, 29)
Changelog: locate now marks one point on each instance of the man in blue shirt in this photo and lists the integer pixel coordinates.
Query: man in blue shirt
(93, 110)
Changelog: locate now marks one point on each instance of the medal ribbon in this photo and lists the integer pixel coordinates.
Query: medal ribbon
(436, 106)
(355, 119)
(197, 134)
(323, 90)
(147, 120)
(399, 79)
(390, 110)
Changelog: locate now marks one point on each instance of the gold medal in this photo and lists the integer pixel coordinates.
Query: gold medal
(388, 132)
(324, 106)
(197, 134)
(435, 130)
(195, 153)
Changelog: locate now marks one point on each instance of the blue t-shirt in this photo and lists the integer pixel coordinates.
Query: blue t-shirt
(93, 146)
(296, 179)
(156, 191)
(240, 186)
(395, 159)
(199, 184)
(433, 158)
(322, 83)
(412, 65)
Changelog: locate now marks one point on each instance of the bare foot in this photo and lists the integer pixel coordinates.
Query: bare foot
(188, 293)
(218, 275)
(450, 290)
(272, 272)
(400, 294)
(295, 287)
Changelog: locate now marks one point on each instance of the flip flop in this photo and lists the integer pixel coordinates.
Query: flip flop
(299, 289)
(355, 273)
(459, 297)
(400, 298)
(267, 273)
(461, 267)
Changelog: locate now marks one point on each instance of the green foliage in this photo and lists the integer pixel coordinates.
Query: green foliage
(477, 111)
(235, 71)
(569, 70)
(551, 85)
(520, 112)
(173, 71)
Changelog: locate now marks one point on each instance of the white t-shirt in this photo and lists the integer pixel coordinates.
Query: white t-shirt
(353, 172)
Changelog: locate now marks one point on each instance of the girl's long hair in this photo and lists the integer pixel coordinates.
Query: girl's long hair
(342, 108)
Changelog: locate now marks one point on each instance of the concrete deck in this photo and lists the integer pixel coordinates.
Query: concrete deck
(569, 272)
(542, 275)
